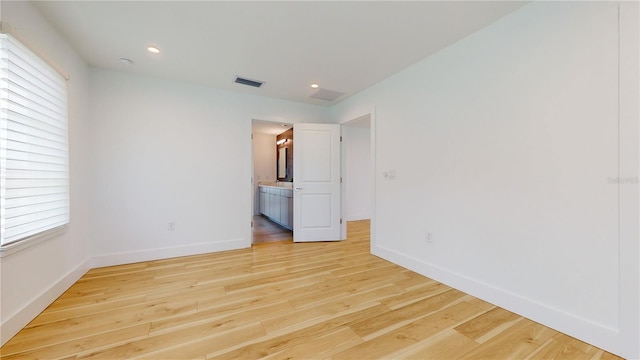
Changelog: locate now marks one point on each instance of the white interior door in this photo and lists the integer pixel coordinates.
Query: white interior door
(316, 182)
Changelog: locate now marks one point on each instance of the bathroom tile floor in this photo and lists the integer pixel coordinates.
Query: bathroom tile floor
(265, 230)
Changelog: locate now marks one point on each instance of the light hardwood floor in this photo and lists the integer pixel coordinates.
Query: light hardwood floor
(281, 301)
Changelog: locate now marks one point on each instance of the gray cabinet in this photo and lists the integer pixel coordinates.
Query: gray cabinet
(274, 204)
(286, 208)
(264, 198)
(277, 204)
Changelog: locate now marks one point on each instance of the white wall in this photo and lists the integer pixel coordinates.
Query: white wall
(165, 151)
(33, 277)
(264, 164)
(505, 147)
(357, 176)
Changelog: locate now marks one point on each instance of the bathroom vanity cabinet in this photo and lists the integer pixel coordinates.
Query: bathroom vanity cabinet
(276, 203)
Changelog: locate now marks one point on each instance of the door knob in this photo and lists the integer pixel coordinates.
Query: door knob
(298, 188)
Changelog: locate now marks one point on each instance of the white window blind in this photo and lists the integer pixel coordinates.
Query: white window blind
(34, 148)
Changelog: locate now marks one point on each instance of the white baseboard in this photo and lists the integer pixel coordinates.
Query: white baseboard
(15, 322)
(586, 330)
(165, 253)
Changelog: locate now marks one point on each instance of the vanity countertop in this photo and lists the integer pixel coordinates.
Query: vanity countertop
(280, 184)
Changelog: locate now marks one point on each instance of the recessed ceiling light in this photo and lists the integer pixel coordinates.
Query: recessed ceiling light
(153, 49)
(315, 86)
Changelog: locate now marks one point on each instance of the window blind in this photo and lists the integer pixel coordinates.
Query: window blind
(34, 149)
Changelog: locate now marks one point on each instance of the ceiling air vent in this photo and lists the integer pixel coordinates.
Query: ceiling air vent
(326, 95)
(248, 82)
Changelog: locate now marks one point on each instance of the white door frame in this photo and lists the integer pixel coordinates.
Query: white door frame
(275, 120)
(370, 111)
(344, 122)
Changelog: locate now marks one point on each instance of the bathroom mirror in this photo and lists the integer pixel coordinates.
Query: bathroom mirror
(282, 163)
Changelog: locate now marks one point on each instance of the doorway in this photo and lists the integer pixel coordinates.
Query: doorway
(265, 172)
(358, 169)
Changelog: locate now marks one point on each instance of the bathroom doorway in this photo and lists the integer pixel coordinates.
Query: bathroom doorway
(268, 165)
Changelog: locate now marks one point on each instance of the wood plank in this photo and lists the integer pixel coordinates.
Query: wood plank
(238, 315)
(199, 346)
(260, 281)
(562, 346)
(88, 300)
(416, 294)
(166, 341)
(336, 288)
(275, 344)
(518, 341)
(326, 310)
(385, 345)
(554, 349)
(323, 347)
(487, 323)
(81, 326)
(446, 345)
(91, 309)
(413, 311)
(71, 348)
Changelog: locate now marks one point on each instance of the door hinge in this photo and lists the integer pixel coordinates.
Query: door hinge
(251, 136)
(340, 221)
(340, 179)
(340, 138)
(251, 223)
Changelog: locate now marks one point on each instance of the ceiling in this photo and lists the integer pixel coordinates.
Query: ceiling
(269, 127)
(342, 46)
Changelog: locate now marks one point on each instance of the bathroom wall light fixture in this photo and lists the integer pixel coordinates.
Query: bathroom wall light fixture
(281, 141)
